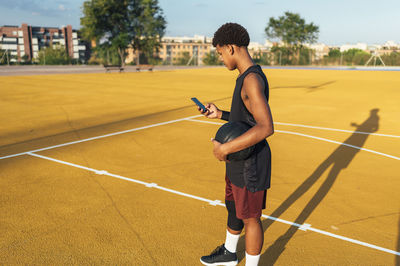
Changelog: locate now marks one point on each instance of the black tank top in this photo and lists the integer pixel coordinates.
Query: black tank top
(254, 172)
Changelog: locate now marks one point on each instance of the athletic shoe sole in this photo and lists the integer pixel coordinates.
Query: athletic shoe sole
(229, 263)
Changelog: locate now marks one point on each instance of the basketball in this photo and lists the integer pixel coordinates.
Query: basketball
(230, 131)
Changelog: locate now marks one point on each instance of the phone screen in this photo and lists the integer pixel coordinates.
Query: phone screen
(199, 104)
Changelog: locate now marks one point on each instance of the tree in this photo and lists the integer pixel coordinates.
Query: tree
(334, 53)
(355, 56)
(392, 59)
(3, 57)
(282, 55)
(262, 58)
(211, 59)
(116, 25)
(182, 59)
(292, 30)
(53, 55)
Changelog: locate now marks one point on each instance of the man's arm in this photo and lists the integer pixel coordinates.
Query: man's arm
(254, 98)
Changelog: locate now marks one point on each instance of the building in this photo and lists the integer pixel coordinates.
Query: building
(361, 46)
(320, 50)
(384, 49)
(26, 41)
(173, 48)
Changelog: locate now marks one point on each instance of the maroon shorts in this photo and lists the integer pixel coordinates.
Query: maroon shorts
(248, 204)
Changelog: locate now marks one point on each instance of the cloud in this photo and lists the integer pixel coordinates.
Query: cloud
(61, 7)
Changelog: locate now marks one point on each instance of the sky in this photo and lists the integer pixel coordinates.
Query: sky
(340, 21)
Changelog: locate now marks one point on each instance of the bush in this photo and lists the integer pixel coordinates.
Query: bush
(355, 57)
(334, 53)
(54, 55)
(12, 59)
(392, 59)
(305, 54)
(282, 55)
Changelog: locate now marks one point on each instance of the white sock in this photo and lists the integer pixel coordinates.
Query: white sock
(252, 260)
(231, 241)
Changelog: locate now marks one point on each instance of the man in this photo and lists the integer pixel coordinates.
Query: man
(247, 181)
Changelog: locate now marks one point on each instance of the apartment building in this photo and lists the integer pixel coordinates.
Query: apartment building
(174, 47)
(384, 49)
(26, 41)
(320, 50)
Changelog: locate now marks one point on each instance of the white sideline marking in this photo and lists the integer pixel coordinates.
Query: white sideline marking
(99, 137)
(305, 227)
(217, 202)
(354, 241)
(100, 172)
(313, 137)
(298, 125)
(335, 129)
(200, 121)
(340, 143)
(151, 185)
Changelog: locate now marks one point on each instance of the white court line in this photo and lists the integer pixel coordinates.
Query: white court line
(209, 122)
(313, 137)
(303, 227)
(99, 137)
(340, 143)
(335, 129)
(298, 125)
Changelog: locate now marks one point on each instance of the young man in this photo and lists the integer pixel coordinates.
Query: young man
(247, 181)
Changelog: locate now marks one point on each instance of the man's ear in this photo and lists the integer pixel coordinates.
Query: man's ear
(231, 49)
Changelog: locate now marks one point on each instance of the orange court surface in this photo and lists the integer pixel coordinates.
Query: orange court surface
(118, 168)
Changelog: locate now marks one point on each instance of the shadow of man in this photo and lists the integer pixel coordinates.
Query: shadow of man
(339, 160)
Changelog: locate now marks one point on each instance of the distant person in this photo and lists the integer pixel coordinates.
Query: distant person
(247, 181)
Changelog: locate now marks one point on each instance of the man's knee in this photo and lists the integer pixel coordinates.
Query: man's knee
(251, 221)
(233, 222)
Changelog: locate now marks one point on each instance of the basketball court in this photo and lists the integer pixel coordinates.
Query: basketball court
(118, 168)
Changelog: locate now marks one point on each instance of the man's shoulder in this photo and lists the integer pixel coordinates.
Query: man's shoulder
(253, 79)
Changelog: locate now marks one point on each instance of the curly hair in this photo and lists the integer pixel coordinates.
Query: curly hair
(231, 33)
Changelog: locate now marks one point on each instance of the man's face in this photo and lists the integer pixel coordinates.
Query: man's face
(226, 56)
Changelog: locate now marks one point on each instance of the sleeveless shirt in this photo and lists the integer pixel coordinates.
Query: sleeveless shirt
(254, 172)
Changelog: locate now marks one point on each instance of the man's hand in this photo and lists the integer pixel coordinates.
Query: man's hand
(211, 112)
(219, 151)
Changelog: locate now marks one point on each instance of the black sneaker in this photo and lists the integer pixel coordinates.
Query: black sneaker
(220, 256)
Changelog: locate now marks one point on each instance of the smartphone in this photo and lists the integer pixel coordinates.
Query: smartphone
(199, 104)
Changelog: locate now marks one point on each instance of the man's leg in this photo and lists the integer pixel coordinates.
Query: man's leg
(234, 228)
(233, 232)
(254, 240)
(226, 253)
